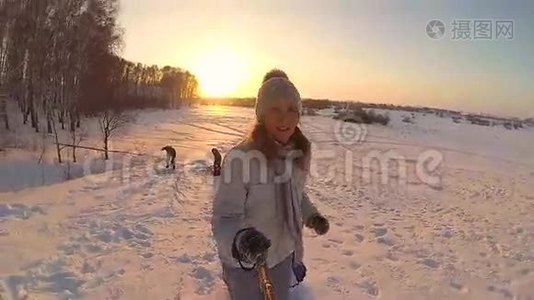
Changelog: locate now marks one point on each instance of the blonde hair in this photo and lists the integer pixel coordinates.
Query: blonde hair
(259, 140)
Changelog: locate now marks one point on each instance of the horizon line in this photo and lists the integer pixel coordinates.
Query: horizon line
(479, 113)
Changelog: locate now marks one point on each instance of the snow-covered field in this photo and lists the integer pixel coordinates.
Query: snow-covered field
(453, 220)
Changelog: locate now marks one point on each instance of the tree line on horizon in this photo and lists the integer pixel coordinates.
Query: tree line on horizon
(59, 62)
(352, 105)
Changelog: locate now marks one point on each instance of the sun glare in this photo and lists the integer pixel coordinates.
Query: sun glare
(220, 73)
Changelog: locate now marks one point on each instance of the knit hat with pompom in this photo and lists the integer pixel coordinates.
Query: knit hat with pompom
(276, 85)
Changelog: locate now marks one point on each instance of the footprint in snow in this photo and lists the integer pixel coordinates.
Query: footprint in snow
(335, 283)
(335, 241)
(524, 272)
(354, 265)
(186, 259)
(370, 287)
(19, 211)
(209, 257)
(206, 280)
(506, 293)
(379, 231)
(386, 241)
(332, 280)
(390, 256)
(459, 287)
(430, 263)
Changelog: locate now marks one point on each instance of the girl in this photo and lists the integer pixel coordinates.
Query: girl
(260, 205)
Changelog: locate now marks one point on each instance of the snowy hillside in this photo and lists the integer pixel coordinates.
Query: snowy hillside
(452, 220)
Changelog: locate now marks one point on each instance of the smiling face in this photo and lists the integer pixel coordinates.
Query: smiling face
(280, 119)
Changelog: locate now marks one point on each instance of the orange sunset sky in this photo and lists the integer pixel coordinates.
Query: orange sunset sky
(371, 51)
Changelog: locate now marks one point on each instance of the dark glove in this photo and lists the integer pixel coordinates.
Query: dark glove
(318, 223)
(299, 270)
(250, 246)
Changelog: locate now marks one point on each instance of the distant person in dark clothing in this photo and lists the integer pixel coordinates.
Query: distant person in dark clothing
(217, 158)
(171, 156)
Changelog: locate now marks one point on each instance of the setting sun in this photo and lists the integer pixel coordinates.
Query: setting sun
(220, 73)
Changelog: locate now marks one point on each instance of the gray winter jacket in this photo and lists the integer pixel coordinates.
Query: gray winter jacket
(250, 194)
